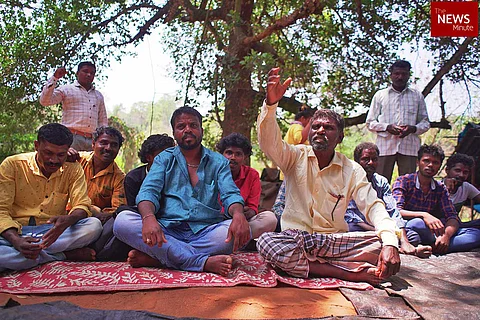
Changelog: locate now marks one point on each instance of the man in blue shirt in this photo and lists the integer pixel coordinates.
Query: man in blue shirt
(180, 225)
(366, 154)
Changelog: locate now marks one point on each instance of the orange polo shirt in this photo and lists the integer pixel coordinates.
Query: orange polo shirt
(105, 189)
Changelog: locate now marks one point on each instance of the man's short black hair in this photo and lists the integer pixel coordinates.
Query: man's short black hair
(357, 153)
(460, 158)
(109, 131)
(155, 142)
(86, 63)
(187, 110)
(235, 140)
(433, 149)
(304, 111)
(55, 133)
(330, 114)
(402, 64)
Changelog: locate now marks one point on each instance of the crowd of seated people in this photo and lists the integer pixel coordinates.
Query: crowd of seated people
(189, 207)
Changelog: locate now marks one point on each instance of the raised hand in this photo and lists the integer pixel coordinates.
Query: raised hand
(60, 72)
(275, 89)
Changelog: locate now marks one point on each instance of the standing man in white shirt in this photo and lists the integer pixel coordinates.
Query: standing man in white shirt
(398, 114)
(83, 106)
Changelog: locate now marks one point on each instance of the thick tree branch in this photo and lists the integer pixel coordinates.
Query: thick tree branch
(365, 25)
(310, 7)
(194, 14)
(267, 48)
(104, 23)
(168, 10)
(216, 36)
(447, 66)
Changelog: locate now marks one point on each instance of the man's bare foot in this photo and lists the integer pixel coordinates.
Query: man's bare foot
(138, 259)
(423, 251)
(221, 264)
(419, 251)
(366, 275)
(81, 254)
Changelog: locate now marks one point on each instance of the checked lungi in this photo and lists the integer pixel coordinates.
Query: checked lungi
(292, 250)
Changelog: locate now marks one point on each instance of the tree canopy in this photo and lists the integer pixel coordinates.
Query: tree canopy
(338, 52)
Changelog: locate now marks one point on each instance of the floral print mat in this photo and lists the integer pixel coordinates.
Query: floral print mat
(64, 276)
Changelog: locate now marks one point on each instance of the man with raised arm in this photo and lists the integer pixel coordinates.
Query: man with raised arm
(35, 227)
(83, 107)
(180, 225)
(319, 184)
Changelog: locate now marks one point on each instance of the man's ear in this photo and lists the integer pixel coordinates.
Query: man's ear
(36, 143)
(340, 138)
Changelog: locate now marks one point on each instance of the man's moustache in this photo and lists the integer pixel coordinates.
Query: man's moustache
(188, 135)
(51, 164)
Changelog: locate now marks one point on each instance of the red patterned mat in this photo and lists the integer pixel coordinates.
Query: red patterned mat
(62, 276)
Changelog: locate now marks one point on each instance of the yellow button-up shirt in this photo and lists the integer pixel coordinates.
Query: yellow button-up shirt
(316, 200)
(25, 192)
(105, 189)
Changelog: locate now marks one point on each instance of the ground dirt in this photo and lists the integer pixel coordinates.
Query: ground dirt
(240, 302)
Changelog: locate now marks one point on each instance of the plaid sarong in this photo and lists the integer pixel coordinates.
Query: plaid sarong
(292, 250)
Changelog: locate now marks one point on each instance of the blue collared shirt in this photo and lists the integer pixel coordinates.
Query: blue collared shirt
(168, 187)
(382, 187)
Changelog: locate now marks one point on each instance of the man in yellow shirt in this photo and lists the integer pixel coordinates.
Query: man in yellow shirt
(34, 189)
(319, 184)
(298, 131)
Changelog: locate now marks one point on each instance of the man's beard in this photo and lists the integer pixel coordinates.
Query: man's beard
(192, 146)
(319, 145)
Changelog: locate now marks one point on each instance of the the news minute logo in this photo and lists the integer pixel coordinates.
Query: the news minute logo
(454, 19)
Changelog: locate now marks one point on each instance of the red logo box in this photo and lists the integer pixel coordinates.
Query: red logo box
(454, 19)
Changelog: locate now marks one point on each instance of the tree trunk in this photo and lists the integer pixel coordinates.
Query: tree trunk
(240, 107)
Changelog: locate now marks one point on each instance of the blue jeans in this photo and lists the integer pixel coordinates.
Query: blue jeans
(81, 234)
(465, 239)
(184, 250)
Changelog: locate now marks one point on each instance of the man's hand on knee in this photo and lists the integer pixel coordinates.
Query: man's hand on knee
(60, 224)
(434, 224)
(239, 231)
(29, 247)
(388, 262)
